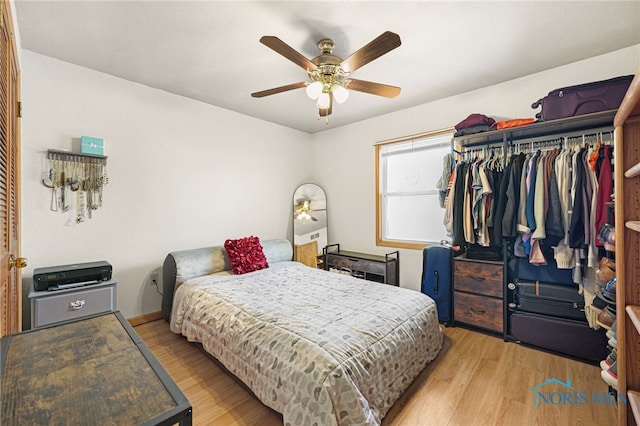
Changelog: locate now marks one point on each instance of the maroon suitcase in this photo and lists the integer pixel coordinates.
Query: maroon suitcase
(583, 98)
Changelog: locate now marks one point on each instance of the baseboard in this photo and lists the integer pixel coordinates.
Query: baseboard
(142, 319)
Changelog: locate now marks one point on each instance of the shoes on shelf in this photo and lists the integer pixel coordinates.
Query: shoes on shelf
(599, 303)
(613, 342)
(606, 270)
(605, 364)
(610, 375)
(607, 234)
(608, 293)
(606, 318)
(612, 333)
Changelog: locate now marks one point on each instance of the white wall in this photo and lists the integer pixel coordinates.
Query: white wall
(185, 174)
(182, 174)
(344, 157)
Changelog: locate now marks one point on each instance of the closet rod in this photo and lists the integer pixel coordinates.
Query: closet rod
(485, 150)
(530, 146)
(567, 135)
(480, 147)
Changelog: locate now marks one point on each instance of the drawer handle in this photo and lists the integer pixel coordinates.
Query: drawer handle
(477, 311)
(78, 304)
(477, 278)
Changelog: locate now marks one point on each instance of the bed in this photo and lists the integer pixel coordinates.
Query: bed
(316, 346)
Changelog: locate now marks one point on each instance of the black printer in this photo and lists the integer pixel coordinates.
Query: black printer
(67, 276)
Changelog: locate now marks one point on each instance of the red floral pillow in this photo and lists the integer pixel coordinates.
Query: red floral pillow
(246, 255)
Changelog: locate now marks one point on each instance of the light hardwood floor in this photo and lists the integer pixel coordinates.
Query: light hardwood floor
(476, 380)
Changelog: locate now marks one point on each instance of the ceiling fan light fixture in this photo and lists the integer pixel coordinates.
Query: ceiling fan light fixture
(302, 211)
(324, 100)
(314, 90)
(304, 216)
(340, 94)
(328, 73)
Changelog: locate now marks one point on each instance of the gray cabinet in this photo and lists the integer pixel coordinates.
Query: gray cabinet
(50, 307)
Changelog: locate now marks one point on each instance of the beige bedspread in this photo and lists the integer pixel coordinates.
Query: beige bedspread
(319, 347)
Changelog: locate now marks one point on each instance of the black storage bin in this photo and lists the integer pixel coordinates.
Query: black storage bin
(574, 338)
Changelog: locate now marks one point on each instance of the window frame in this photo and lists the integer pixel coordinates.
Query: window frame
(380, 240)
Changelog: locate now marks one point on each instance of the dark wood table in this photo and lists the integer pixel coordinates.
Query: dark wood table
(94, 371)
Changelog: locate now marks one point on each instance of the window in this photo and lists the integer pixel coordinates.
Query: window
(409, 213)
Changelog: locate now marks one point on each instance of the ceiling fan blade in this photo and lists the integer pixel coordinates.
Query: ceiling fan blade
(372, 88)
(384, 43)
(280, 89)
(288, 52)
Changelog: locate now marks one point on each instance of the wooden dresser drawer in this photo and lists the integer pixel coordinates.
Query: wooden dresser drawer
(477, 277)
(479, 311)
(57, 307)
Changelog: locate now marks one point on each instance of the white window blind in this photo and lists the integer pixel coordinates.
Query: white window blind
(409, 206)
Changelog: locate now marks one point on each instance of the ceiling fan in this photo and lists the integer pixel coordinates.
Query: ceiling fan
(329, 74)
(302, 211)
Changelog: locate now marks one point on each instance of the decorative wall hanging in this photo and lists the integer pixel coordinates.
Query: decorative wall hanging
(77, 182)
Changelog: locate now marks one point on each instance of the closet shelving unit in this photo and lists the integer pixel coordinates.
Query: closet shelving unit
(627, 214)
(561, 127)
(539, 131)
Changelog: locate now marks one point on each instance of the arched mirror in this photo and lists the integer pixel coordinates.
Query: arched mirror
(309, 223)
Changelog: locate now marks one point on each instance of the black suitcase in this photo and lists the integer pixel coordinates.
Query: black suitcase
(566, 336)
(437, 279)
(548, 299)
(583, 98)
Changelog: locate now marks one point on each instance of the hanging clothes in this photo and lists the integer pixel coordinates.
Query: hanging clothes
(512, 196)
(548, 203)
(470, 209)
(605, 189)
(443, 183)
(457, 205)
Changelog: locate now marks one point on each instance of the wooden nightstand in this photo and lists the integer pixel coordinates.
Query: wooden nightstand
(50, 307)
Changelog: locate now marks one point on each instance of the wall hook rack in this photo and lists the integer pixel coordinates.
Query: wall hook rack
(77, 182)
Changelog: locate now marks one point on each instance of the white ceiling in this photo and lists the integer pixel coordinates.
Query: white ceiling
(210, 50)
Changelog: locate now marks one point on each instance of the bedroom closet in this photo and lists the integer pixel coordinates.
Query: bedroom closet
(509, 214)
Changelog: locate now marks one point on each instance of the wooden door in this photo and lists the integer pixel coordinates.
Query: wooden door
(10, 276)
